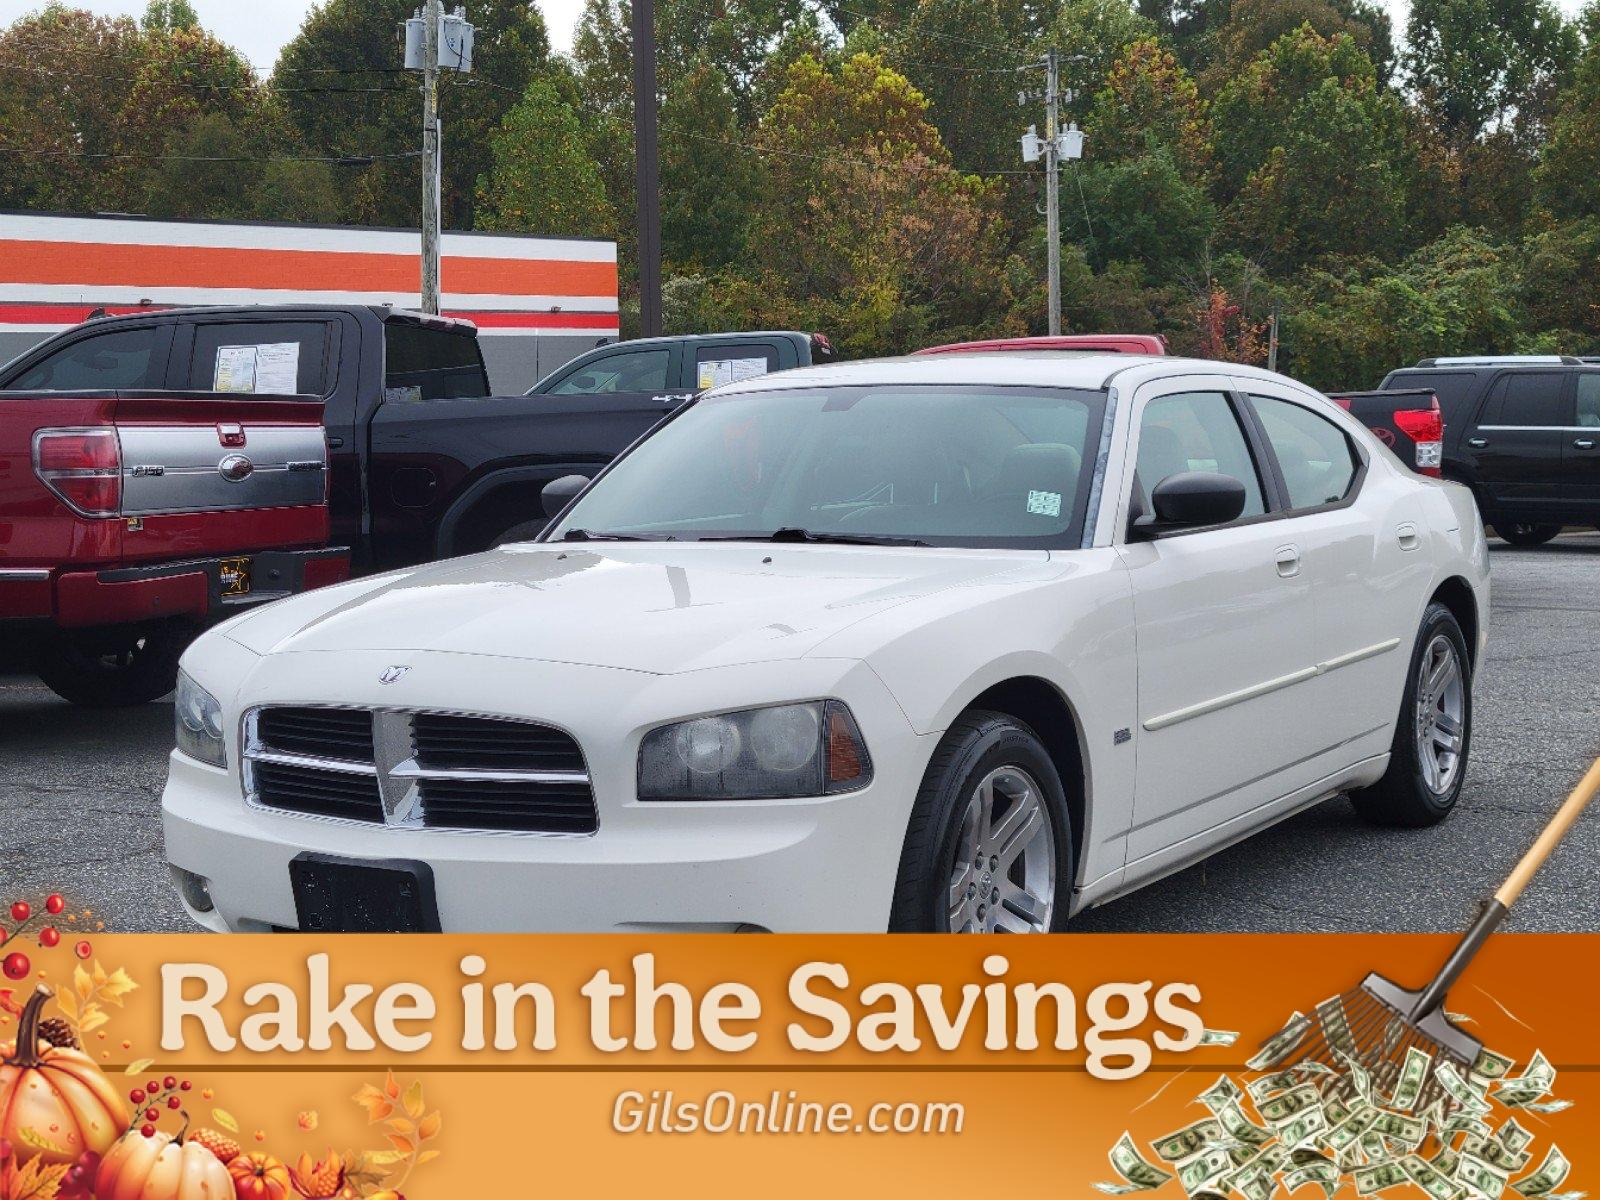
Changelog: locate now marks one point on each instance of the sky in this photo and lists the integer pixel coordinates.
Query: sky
(259, 28)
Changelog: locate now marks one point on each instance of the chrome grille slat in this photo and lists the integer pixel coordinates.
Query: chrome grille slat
(418, 770)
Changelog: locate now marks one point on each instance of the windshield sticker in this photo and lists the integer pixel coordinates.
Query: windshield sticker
(271, 369)
(718, 371)
(1045, 504)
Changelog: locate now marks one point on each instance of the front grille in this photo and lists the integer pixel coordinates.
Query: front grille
(343, 733)
(482, 744)
(418, 770)
(318, 792)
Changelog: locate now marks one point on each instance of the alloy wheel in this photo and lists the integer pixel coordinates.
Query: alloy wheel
(1003, 879)
(1441, 714)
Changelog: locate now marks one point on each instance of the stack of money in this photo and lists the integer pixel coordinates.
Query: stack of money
(1313, 1123)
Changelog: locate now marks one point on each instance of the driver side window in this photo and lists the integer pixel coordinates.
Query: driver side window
(1194, 431)
(112, 361)
(625, 371)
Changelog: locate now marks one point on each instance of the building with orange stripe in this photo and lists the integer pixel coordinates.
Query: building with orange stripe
(537, 301)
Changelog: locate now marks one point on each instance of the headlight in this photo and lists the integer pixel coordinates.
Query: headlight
(787, 751)
(199, 723)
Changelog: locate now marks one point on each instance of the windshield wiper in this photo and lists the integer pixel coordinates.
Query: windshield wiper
(792, 534)
(587, 535)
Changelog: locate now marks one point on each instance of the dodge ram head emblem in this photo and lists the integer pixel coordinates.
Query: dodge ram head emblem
(235, 468)
(393, 674)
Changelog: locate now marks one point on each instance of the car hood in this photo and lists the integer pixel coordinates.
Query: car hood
(642, 607)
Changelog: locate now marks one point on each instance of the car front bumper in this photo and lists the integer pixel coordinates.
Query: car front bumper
(810, 865)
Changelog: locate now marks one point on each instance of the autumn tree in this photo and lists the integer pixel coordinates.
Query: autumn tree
(1568, 174)
(542, 179)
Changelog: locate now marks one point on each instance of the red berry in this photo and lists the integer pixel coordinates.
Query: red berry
(53, 903)
(83, 949)
(16, 965)
(148, 1130)
(49, 936)
(21, 911)
(185, 1086)
(152, 1114)
(137, 1095)
(173, 1102)
(170, 1082)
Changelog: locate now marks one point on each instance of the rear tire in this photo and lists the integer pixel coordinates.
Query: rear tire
(991, 815)
(526, 531)
(1525, 533)
(1428, 759)
(114, 667)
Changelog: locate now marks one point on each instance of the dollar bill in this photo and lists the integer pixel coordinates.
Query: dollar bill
(1336, 1026)
(1188, 1141)
(1303, 1128)
(1413, 1074)
(1288, 1105)
(1220, 1094)
(1402, 1128)
(1447, 1160)
(1459, 1090)
(1325, 1174)
(1359, 1079)
(1253, 1183)
(1240, 1127)
(1135, 1171)
(1551, 1174)
(1489, 1065)
(1277, 1081)
(1513, 1136)
(1547, 1107)
(1377, 1177)
(1479, 1176)
(1205, 1169)
(1534, 1082)
(1219, 1037)
(1349, 1131)
(1429, 1178)
(1281, 1044)
(1493, 1152)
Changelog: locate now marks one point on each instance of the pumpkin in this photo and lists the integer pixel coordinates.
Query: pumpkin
(259, 1177)
(55, 1093)
(161, 1167)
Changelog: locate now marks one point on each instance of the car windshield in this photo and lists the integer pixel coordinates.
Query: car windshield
(945, 465)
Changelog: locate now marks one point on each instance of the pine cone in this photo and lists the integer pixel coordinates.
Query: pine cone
(58, 1033)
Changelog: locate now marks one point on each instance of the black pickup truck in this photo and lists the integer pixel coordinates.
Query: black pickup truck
(422, 462)
(1523, 432)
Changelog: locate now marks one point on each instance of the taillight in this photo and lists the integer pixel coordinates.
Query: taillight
(83, 467)
(1425, 427)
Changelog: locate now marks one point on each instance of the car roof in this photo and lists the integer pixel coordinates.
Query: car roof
(1019, 367)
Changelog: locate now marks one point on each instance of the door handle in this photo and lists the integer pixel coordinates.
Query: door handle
(335, 442)
(1583, 443)
(1477, 443)
(1408, 536)
(674, 399)
(1288, 559)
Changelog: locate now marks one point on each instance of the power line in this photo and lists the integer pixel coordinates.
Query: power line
(352, 160)
(262, 86)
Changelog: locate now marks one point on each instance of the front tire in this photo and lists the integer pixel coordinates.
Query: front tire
(1524, 533)
(1428, 759)
(989, 845)
(115, 667)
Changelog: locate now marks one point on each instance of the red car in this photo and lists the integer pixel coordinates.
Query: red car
(1097, 343)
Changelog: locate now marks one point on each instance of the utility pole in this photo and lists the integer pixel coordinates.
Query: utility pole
(432, 166)
(1052, 184)
(647, 166)
(1056, 145)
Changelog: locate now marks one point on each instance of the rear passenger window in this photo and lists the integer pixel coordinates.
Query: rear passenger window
(431, 364)
(1589, 400)
(265, 358)
(1526, 398)
(717, 365)
(125, 359)
(1318, 463)
(1195, 431)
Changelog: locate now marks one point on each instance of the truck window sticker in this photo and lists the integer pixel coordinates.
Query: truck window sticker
(270, 369)
(713, 372)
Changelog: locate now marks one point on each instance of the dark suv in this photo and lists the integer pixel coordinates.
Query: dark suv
(1523, 433)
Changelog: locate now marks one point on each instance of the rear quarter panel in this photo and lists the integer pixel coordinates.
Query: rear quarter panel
(36, 528)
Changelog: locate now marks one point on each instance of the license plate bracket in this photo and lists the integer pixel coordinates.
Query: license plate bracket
(333, 894)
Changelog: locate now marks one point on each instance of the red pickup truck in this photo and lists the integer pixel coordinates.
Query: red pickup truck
(128, 518)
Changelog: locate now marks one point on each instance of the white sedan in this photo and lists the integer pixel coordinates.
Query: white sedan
(955, 643)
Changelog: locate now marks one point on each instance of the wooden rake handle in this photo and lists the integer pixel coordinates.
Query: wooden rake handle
(1547, 842)
(1494, 912)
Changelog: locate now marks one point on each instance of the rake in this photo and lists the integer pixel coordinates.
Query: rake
(1376, 1024)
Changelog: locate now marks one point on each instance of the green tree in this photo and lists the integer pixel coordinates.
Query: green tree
(711, 180)
(337, 83)
(1251, 26)
(168, 15)
(542, 180)
(1094, 35)
(1150, 103)
(1568, 173)
(1479, 63)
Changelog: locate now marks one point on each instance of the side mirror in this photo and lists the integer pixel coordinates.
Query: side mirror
(558, 493)
(1192, 500)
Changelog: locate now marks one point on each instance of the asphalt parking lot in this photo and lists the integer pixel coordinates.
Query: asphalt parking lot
(80, 796)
